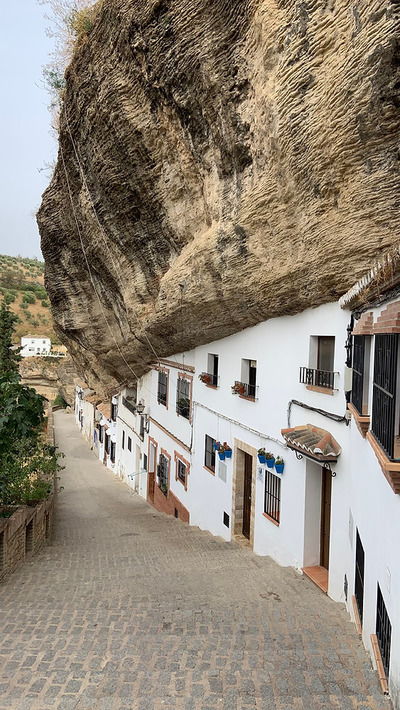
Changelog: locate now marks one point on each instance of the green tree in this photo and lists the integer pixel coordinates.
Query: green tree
(9, 358)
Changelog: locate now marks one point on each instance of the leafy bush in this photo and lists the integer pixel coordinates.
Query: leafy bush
(27, 474)
(28, 298)
(60, 401)
(9, 297)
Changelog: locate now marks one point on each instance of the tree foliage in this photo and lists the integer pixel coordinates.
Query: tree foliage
(9, 358)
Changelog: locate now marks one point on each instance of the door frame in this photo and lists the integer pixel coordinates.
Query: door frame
(239, 449)
(151, 475)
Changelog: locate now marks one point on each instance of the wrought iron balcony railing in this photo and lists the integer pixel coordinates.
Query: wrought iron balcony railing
(245, 390)
(317, 378)
(209, 379)
(129, 405)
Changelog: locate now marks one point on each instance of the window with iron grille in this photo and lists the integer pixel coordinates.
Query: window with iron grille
(183, 397)
(108, 441)
(114, 410)
(112, 454)
(162, 392)
(384, 403)
(123, 439)
(383, 631)
(129, 443)
(209, 453)
(181, 471)
(142, 420)
(162, 472)
(358, 372)
(272, 499)
(101, 434)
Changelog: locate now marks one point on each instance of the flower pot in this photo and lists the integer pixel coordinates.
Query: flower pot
(279, 467)
(261, 458)
(221, 455)
(270, 462)
(228, 454)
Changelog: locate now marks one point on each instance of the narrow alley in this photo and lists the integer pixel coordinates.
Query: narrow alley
(128, 608)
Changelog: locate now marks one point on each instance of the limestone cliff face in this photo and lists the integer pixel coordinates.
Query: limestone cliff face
(50, 377)
(221, 162)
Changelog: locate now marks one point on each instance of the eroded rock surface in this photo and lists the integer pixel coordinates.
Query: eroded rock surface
(50, 376)
(220, 163)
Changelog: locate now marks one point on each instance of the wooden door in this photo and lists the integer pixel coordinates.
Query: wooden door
(152, 471)
(325, 516)
(248, 471)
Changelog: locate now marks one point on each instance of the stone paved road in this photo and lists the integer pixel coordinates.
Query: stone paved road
(130, 609)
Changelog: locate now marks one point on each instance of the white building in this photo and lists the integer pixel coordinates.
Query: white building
(320, 389)
(34, 345)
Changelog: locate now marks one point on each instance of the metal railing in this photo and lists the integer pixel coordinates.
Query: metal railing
(384, 391)
(209, 379)
(245, 390)
(129, 405)
(357, 389)
(317, 378)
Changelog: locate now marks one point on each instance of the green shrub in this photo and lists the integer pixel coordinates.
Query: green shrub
(24, 306)
(60, 401)
(28, 298)
(9, 297)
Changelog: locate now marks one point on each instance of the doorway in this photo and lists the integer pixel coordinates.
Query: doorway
(325, 517)
(247, 482)
(359, 577)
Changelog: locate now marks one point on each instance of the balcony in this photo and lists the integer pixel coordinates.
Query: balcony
(245, 390)
(129, 404)
(318, 379)
(209, 379)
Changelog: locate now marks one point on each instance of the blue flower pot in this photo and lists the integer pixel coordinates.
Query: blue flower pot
(270, 462)
(261, 458)
(221, 455)
(279, 467)
(228, 454)
(216, 445)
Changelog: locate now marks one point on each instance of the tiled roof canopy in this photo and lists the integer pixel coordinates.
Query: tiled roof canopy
(311, 441)
(105, 409)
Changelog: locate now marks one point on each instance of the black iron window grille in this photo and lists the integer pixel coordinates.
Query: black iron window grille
(272, 499)
(317, 378)
(101, 434)
(245, 389)
(123, 439)
(142, 427)
(357, 390)
(183, 397)
(107, 443)
(129, 443)
(162, 472)
(383, 631)
(112, 453)
(114, 411)
(162, 391)
(181, 471)
(359, 577)
(384, 391)
(209, 453)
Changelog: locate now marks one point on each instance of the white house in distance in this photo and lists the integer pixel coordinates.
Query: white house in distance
(286, 436)
(35, 345)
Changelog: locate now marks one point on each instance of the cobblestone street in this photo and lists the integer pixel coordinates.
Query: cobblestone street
(128, 608)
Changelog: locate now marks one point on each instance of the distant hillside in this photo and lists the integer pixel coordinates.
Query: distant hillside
(22, 287)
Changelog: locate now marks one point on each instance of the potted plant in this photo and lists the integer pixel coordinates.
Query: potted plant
(216, 445)
(261, 455)
(228, 451)
(206, 378)
(221, 452)
(238, 388)
(279, 464)
(269, 459)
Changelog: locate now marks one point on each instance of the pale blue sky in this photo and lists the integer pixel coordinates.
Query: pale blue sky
(26, 143)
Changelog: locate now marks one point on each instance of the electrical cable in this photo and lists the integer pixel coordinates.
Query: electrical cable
(262, 435)
(323, 412)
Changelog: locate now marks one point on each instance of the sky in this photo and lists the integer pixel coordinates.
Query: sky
(26, 140)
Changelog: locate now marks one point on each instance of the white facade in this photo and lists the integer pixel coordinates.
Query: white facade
(166, 460)
(33, 346)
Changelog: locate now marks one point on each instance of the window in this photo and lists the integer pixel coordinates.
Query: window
(212, 369)
(112, 455)
(272, 499)
(248, 386)
(163, 473)
(181, 469)
(145, 462)
(359, 390)
(383, 631)
(320, 371)
(209, 458)
(101, 434)
(108, 441)
(384, 405)
(183, 397)
(123, 439)
(162, 392)
(129, 443)
(325, 353)
(142, 420)
(359, 576)
(114, 410)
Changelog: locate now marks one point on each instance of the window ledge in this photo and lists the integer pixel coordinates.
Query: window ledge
(362, 421)
(212, 387)
(249, 399)
(391, 469)
(209, 470)
(379, 664)
(275, 522)
(322, 390)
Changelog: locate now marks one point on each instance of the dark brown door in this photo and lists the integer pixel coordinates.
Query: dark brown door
(248, 469)
(325, 516)
(152, 471)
